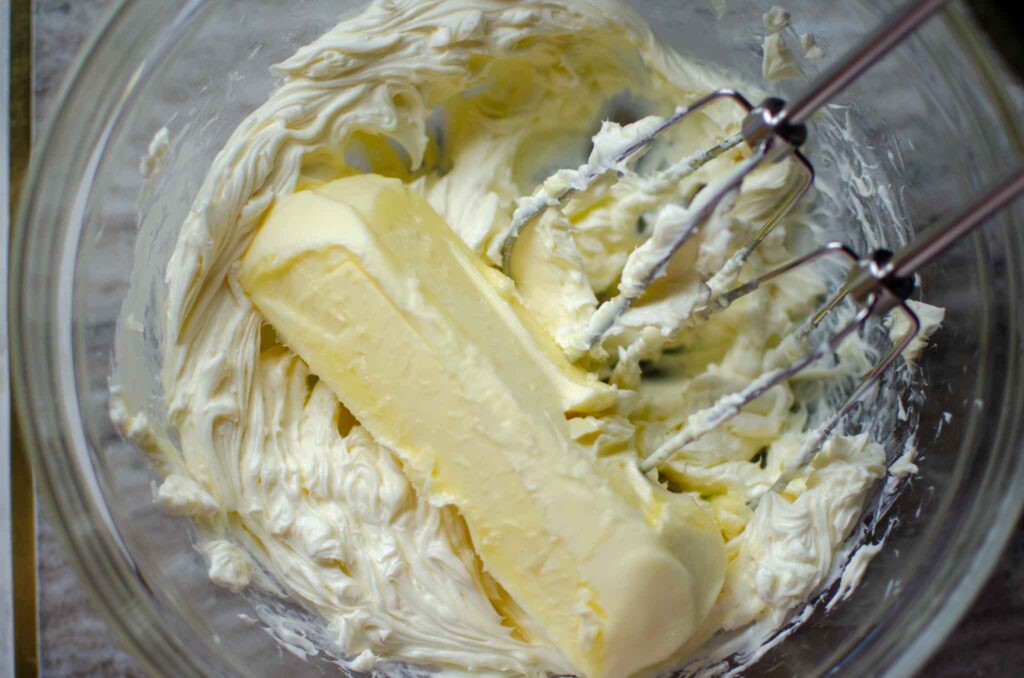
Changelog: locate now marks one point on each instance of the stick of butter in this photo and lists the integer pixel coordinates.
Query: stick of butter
(433, 354)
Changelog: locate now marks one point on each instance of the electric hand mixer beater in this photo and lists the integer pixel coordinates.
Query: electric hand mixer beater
(774, 130)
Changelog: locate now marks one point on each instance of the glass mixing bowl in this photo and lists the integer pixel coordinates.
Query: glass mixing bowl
(933, 119)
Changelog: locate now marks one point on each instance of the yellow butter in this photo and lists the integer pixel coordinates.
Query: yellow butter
(432, 352)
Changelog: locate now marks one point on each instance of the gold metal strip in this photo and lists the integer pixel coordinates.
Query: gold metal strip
(23, 497)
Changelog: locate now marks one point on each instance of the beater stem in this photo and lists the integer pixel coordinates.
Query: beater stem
(870, 50)
(933, 241)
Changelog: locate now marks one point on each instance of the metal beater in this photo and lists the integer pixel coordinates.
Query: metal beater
(877, 284)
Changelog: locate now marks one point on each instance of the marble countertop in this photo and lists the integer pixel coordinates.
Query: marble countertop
(74, 641)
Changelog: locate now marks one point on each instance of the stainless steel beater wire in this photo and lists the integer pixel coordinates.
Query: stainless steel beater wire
(814, 445)
(868, 52)
(728, 406)
(522, 219)
(700, 210)
(736, 261)
(748, 287)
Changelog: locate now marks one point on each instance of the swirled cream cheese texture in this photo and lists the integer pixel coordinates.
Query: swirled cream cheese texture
(466, 105)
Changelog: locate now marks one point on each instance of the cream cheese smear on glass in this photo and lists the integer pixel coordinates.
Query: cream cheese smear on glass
(370, 419)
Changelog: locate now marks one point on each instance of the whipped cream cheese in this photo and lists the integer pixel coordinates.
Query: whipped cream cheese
(778, 62)
(369, 418)
(930, 319)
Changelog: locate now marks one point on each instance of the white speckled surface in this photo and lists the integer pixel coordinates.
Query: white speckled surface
(75, 642)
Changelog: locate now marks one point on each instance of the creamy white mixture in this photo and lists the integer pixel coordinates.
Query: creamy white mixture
(471, 102)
